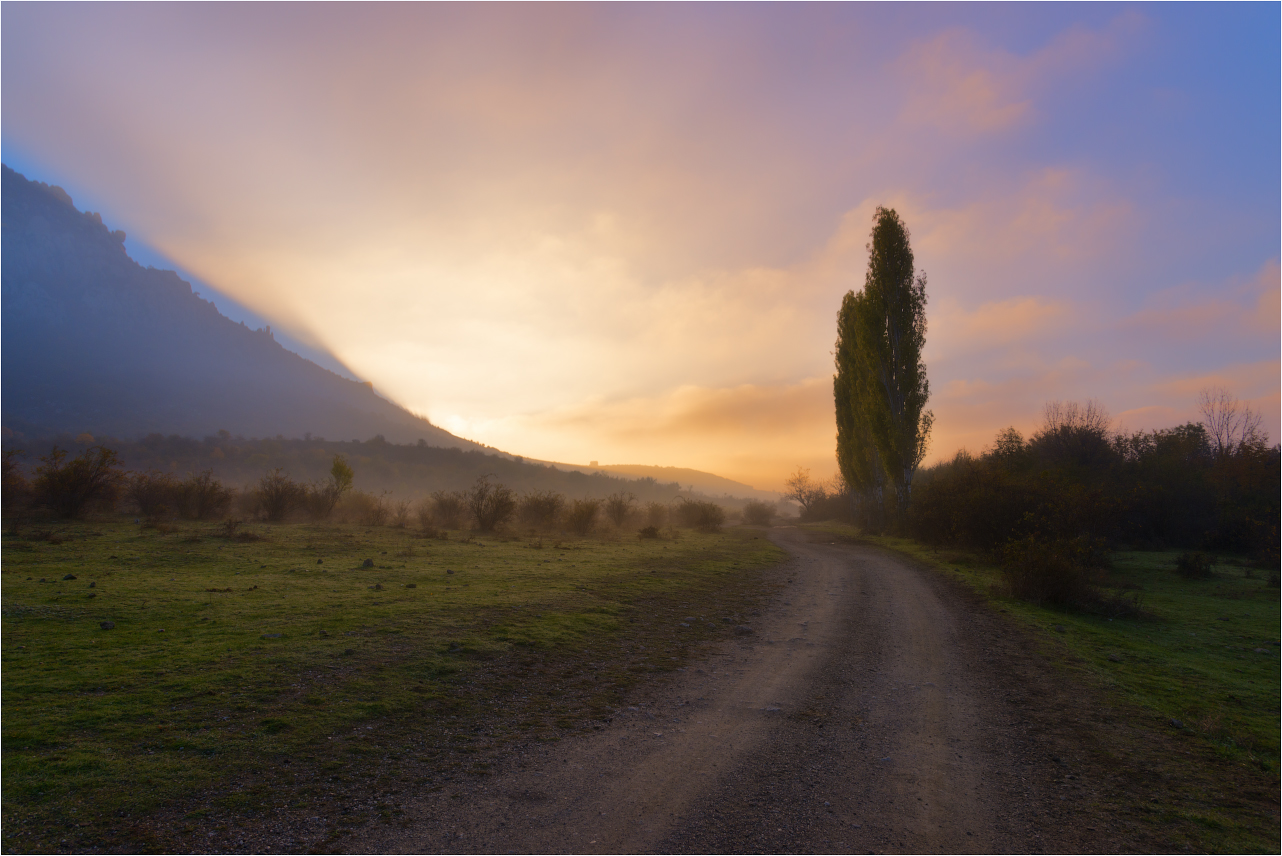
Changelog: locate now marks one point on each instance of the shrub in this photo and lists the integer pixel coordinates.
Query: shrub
(491, 504)
(323, 496)
(15, 492)
(155, 493)
(541, 508)
(582, 516)
(618, 506)
(400, 513)
(277, 495)
(70, 488)
(1062, 572)
(656, 515)
(758, 513)
(202, 497)
(700, 514)
(1193, 566)
(447, 508)
(649, 532)
(365, 508)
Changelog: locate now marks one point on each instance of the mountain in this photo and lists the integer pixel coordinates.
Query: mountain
(93, 342)
(705, 483)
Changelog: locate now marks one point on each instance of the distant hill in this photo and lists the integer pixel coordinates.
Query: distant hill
(705, 483)
(93, 342)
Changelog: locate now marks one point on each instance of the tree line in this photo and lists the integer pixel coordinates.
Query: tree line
(94, 481)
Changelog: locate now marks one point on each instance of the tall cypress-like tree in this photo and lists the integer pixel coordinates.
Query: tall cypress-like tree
(857, 456)
(879, 353)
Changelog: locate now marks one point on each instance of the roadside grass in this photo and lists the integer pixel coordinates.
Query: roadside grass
(1202, 656)
(318, 670)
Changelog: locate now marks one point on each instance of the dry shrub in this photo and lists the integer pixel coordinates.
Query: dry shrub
(491, 504)
(400, 513)
(582, 516)
(618, 506)
(365, 508)
(656, 515)
(277, 496)
(541, 509)
(447, 508)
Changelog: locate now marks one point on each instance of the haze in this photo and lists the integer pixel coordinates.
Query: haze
(621, 233)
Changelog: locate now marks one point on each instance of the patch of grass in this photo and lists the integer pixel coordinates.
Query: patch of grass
(245, 664)
(1201, 655)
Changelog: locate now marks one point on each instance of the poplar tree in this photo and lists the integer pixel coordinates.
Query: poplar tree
(881, 333)
(857, 457)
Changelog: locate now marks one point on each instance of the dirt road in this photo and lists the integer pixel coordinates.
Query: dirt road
(874, 707)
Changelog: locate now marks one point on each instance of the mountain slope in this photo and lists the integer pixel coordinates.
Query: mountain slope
(94, 342)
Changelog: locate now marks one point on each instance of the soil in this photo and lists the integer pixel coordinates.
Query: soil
(873, 706)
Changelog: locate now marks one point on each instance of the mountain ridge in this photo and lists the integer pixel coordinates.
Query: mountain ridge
(95, 342)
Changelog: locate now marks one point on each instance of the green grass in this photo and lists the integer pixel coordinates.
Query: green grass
(246, 677)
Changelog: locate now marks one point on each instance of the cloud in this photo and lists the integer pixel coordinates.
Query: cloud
(753, 433)
(957, 84)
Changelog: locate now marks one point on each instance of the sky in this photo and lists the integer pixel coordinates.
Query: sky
(621, 232)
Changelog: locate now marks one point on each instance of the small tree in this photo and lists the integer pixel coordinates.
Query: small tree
(803, 491)
(323, 496)
(491, 504)
(70, 488)
(1229, 423)
(618, 506)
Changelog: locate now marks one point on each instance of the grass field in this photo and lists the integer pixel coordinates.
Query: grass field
(318, 670)
(1201, 658)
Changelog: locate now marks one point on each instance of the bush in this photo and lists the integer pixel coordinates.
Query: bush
(155, 493)
(758, 513)
(491, 504)
(582, 516)
(366, 509)
(202, 497)
(656, 515)
(277, 496)
(541, 508)
(70, 488)
(700, 514)
(15, 492)
(400, 513)
(618, 506)
(323, 496)
(649, 532)
(1062, 572)
(1194, 566)
(447, 508)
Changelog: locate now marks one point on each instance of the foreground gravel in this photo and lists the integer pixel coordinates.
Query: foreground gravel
(873, 707)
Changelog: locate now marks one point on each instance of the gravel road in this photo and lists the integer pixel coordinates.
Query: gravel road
(874, 707)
